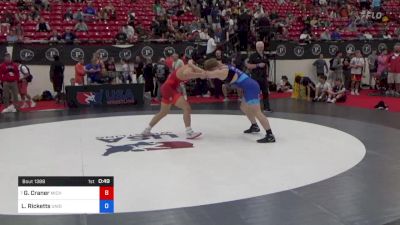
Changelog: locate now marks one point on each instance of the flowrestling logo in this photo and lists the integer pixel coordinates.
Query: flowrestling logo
(140, 143)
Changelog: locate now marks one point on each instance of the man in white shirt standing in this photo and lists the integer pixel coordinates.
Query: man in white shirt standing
(357, 64)
(211, 45)
(24, 79)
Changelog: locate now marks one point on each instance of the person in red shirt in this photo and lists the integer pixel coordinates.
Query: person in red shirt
(394, 71)
(9, 76)
(80, 72)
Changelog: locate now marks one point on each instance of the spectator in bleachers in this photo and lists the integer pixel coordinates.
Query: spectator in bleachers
(121, 36)
(19, 31)
(203, 35)
(325, 35)
(158, 9)
(80, 72)
(243, 23)
(55, 36)
(305, 37)
(110, 69)
(367, 35)
(321, 66)
(364, 4)
(335, 35)
(110, 11)
(386, 35)
(81, 27)
(211, 44)
(215, 18)
(131, 18)
(43, 26)
(357, 64)
(12, 37)
(129, 31)
(34, 14)
(79, 15)
(263, 27)
(89, 10)
(68, 16)
(376, 5)
(21, 5)
(68, 36)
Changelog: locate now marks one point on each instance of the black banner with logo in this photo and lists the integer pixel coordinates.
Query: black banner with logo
(106, 94)
(32, 54)
(293, 50)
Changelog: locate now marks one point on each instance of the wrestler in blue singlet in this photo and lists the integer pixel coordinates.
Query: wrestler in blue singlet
(251, 89)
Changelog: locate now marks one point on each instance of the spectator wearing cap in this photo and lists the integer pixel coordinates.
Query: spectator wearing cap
(9, 76)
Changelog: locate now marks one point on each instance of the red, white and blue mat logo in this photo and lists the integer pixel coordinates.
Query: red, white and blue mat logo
(140, 143)
(89, 98)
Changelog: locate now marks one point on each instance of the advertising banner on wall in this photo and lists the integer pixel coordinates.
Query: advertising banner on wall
(38, 54)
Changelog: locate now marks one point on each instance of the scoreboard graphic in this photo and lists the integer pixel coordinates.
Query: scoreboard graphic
(61, 195)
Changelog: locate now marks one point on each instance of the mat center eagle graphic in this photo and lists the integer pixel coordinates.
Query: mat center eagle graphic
(140, 143)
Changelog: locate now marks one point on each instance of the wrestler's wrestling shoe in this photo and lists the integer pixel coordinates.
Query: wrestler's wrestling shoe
(253, 129)
(269, 138)
(147, 132)
(192, 135)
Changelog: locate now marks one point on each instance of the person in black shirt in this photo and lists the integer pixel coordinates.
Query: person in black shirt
(258, 64)
(57, 76)
(347, 71)
(148, 75)
(243, 23)
(138, 66)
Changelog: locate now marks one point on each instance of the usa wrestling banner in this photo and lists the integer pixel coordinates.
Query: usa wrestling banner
(70, 54)
(293, 50)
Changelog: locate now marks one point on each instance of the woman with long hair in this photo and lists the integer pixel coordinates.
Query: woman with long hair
(251, 94)
(171, 96)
